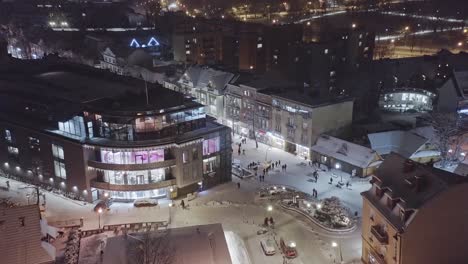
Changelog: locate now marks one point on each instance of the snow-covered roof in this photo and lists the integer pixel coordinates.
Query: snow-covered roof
(202, 77)
(348, 152)
(401, 142)
(203, 244)
(20, 236)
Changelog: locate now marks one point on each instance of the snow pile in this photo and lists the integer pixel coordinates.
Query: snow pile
(237, 249)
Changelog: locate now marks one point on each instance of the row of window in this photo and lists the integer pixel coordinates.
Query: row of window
(57, 153)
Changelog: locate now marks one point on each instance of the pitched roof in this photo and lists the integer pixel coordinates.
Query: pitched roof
(402, 142)
(348, 152)
(396, 178)
(20, 231)
(202, 77)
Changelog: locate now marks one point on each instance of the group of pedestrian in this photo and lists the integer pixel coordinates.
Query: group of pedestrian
(315, 175)
(314, 193)
(244, 140)
(262, 177)
(268, 221)
(283, 167)
(252, 165)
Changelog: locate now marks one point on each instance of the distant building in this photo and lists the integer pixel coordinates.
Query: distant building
(346, 156)
(414, 214)
(24, 236)
(93, 134)
(453, 94)
(411, 100)
(203, 244)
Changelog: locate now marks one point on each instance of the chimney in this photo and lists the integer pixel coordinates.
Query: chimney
(408, 166)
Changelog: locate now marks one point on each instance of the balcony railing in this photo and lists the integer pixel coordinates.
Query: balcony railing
(131, 167)
(134, 188)
(379, 234)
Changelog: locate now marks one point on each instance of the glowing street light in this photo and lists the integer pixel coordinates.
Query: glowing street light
(459, 44)
(99, 217)
(353, 25)
(336, 245)
(319, 206)
(407, 28)
(270, 208)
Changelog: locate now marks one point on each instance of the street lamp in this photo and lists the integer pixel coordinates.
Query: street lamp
(270, 208)
(99, 217)
(336, 245)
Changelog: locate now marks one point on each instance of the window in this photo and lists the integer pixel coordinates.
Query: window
(34, 143)
(211, 146)
(210, 165)
(332, 73)
(325, 51)
(194, 153)
(59, 169)
(259, 45)
(184, 157)
(13, 150)
(57, 151)
(74, 126)
(8, 135)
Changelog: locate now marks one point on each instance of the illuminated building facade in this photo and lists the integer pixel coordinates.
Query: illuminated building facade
(411, 100)
(92, 134)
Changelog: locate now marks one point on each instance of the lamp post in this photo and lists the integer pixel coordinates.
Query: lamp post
(338, 245)
(99, 217)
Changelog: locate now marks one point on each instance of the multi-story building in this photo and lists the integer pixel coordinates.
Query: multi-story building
(414, 213)
(298, 120)
(208, 86)
(91, 133)
(277, 113)
(248, 111)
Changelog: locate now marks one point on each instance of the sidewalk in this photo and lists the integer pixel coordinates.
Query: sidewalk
(298, 174)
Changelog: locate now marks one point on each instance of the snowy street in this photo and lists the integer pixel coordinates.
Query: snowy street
(237, 210)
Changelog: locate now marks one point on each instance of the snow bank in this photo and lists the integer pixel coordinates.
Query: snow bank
(237, 249)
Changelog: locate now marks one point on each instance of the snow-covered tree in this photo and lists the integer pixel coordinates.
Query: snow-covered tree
(151, 247)
(448, 136)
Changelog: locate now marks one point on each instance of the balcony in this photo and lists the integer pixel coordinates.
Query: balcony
(133, 188)
(131, 167)
(378, 232)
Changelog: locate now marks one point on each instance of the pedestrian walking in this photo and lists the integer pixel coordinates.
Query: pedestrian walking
(271, 221)
(182, 204)
(243, 152)
(8, 184)
(238, 151)
(238, 185)
(285, 166)
(279, 162)
(265, 222)
(331, 180)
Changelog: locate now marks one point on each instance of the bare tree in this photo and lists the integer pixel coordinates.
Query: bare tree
(151, 247)
(448, 136)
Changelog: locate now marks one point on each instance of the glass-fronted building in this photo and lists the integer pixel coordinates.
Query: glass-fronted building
(93, 135)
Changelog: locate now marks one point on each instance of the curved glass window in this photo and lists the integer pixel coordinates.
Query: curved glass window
(134, 177)
(131, 157)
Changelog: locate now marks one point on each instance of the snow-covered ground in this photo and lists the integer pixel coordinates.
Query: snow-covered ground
(298, 174)
(240, 216)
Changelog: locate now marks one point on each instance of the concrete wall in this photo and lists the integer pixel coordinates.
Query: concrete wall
(331, 118)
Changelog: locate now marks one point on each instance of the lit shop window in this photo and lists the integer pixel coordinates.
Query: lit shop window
(13, 150)
(184, 157)
(211, 146)
(132, 157)
(8, 135)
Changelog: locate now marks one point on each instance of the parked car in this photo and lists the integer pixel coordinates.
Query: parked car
(262, 231)
(289, 249)
(103, 204)
(145, 202)
(268, 246)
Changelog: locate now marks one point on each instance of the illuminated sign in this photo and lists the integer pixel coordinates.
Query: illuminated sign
(151, 43)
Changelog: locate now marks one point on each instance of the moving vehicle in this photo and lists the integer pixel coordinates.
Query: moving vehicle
(289, 249)
(268, 246)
